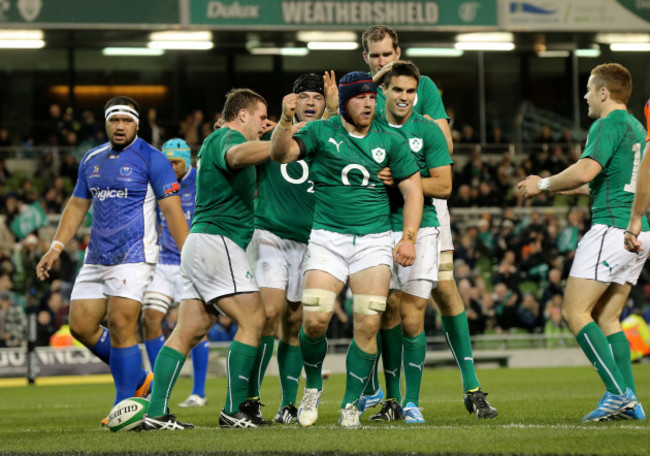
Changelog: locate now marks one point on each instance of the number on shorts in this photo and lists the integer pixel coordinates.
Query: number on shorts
(631, 187)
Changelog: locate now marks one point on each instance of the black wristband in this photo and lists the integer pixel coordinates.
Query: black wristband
(629, 232)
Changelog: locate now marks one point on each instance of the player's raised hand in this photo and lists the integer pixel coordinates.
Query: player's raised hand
(380, 74)
(528, 187)
(289, 105)
(331, 92)
(386, 176)
(47, 261)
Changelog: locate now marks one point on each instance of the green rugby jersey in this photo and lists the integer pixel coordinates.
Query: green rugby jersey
(616, 142)
(428, 146)
(350, 198)
(285, 199)
(224, 197)
(427, 100)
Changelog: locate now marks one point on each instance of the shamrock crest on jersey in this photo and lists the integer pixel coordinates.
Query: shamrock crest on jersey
(379, 154)
(415, 144)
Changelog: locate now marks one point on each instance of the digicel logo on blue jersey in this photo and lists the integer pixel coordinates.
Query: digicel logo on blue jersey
(103, 193)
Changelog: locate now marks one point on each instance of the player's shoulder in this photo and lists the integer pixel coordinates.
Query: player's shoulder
(95, 152)
(426, 83)
(380, 127)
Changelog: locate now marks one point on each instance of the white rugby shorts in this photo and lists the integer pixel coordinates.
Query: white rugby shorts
(129, 280)
(601, 256)
(214, 266)
(278, 263)
(419, 278)
(342, 255)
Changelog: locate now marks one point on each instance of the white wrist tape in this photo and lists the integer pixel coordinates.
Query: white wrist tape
(544, 184)
(57, 243)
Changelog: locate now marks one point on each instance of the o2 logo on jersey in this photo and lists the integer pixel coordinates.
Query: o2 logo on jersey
(126, 171)
(364, 174)
(378, 154)
(304, 175)
(416, 144)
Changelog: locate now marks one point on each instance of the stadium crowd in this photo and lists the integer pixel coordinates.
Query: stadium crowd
(510, 264)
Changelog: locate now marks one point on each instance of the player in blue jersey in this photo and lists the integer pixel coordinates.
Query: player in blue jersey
(122, 180)
(166, 286)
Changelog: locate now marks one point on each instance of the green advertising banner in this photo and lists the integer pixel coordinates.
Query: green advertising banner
(283, 14)
(89, 12)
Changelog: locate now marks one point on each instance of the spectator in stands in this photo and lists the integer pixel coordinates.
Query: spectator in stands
(89, 127)
(150, 131)
(475, 318)
(54, 128)
(554, 286)
(467, 251)
(55, 197)
(508, 272)
(528, 313)
(46, 170)
(555, 163)
(462, 197)
(555, 324)
(4, 172)
(476, 170)
(5, 138)
(505, 301)
(486, 241)
(69, 168)
(568, 238)
(50, 316)
(11, 207)
(12, 322)
(487, 195)
(7, 239)
(468, 134)
(505, 179)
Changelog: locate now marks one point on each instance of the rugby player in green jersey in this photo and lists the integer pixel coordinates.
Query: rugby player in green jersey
(412, 286)
(603, 272)
(216, 272)
(380, 50)
(350, 237)
(284, 212)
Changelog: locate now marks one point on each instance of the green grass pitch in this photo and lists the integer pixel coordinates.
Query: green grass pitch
(539, 413)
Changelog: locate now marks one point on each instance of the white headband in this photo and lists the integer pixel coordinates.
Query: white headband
(122, 110)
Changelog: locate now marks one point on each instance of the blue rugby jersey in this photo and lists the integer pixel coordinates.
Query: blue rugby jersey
(124, 187)
(169, 253)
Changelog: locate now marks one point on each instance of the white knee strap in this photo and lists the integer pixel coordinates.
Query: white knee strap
(366, 304)
(318, 300)
(446, 269)
(156, 301)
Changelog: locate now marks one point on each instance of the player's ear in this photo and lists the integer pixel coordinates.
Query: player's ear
(365, 57)
(398, 51)
(243, 115)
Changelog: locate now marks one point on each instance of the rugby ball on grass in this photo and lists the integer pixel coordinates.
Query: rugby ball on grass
(127, 414)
